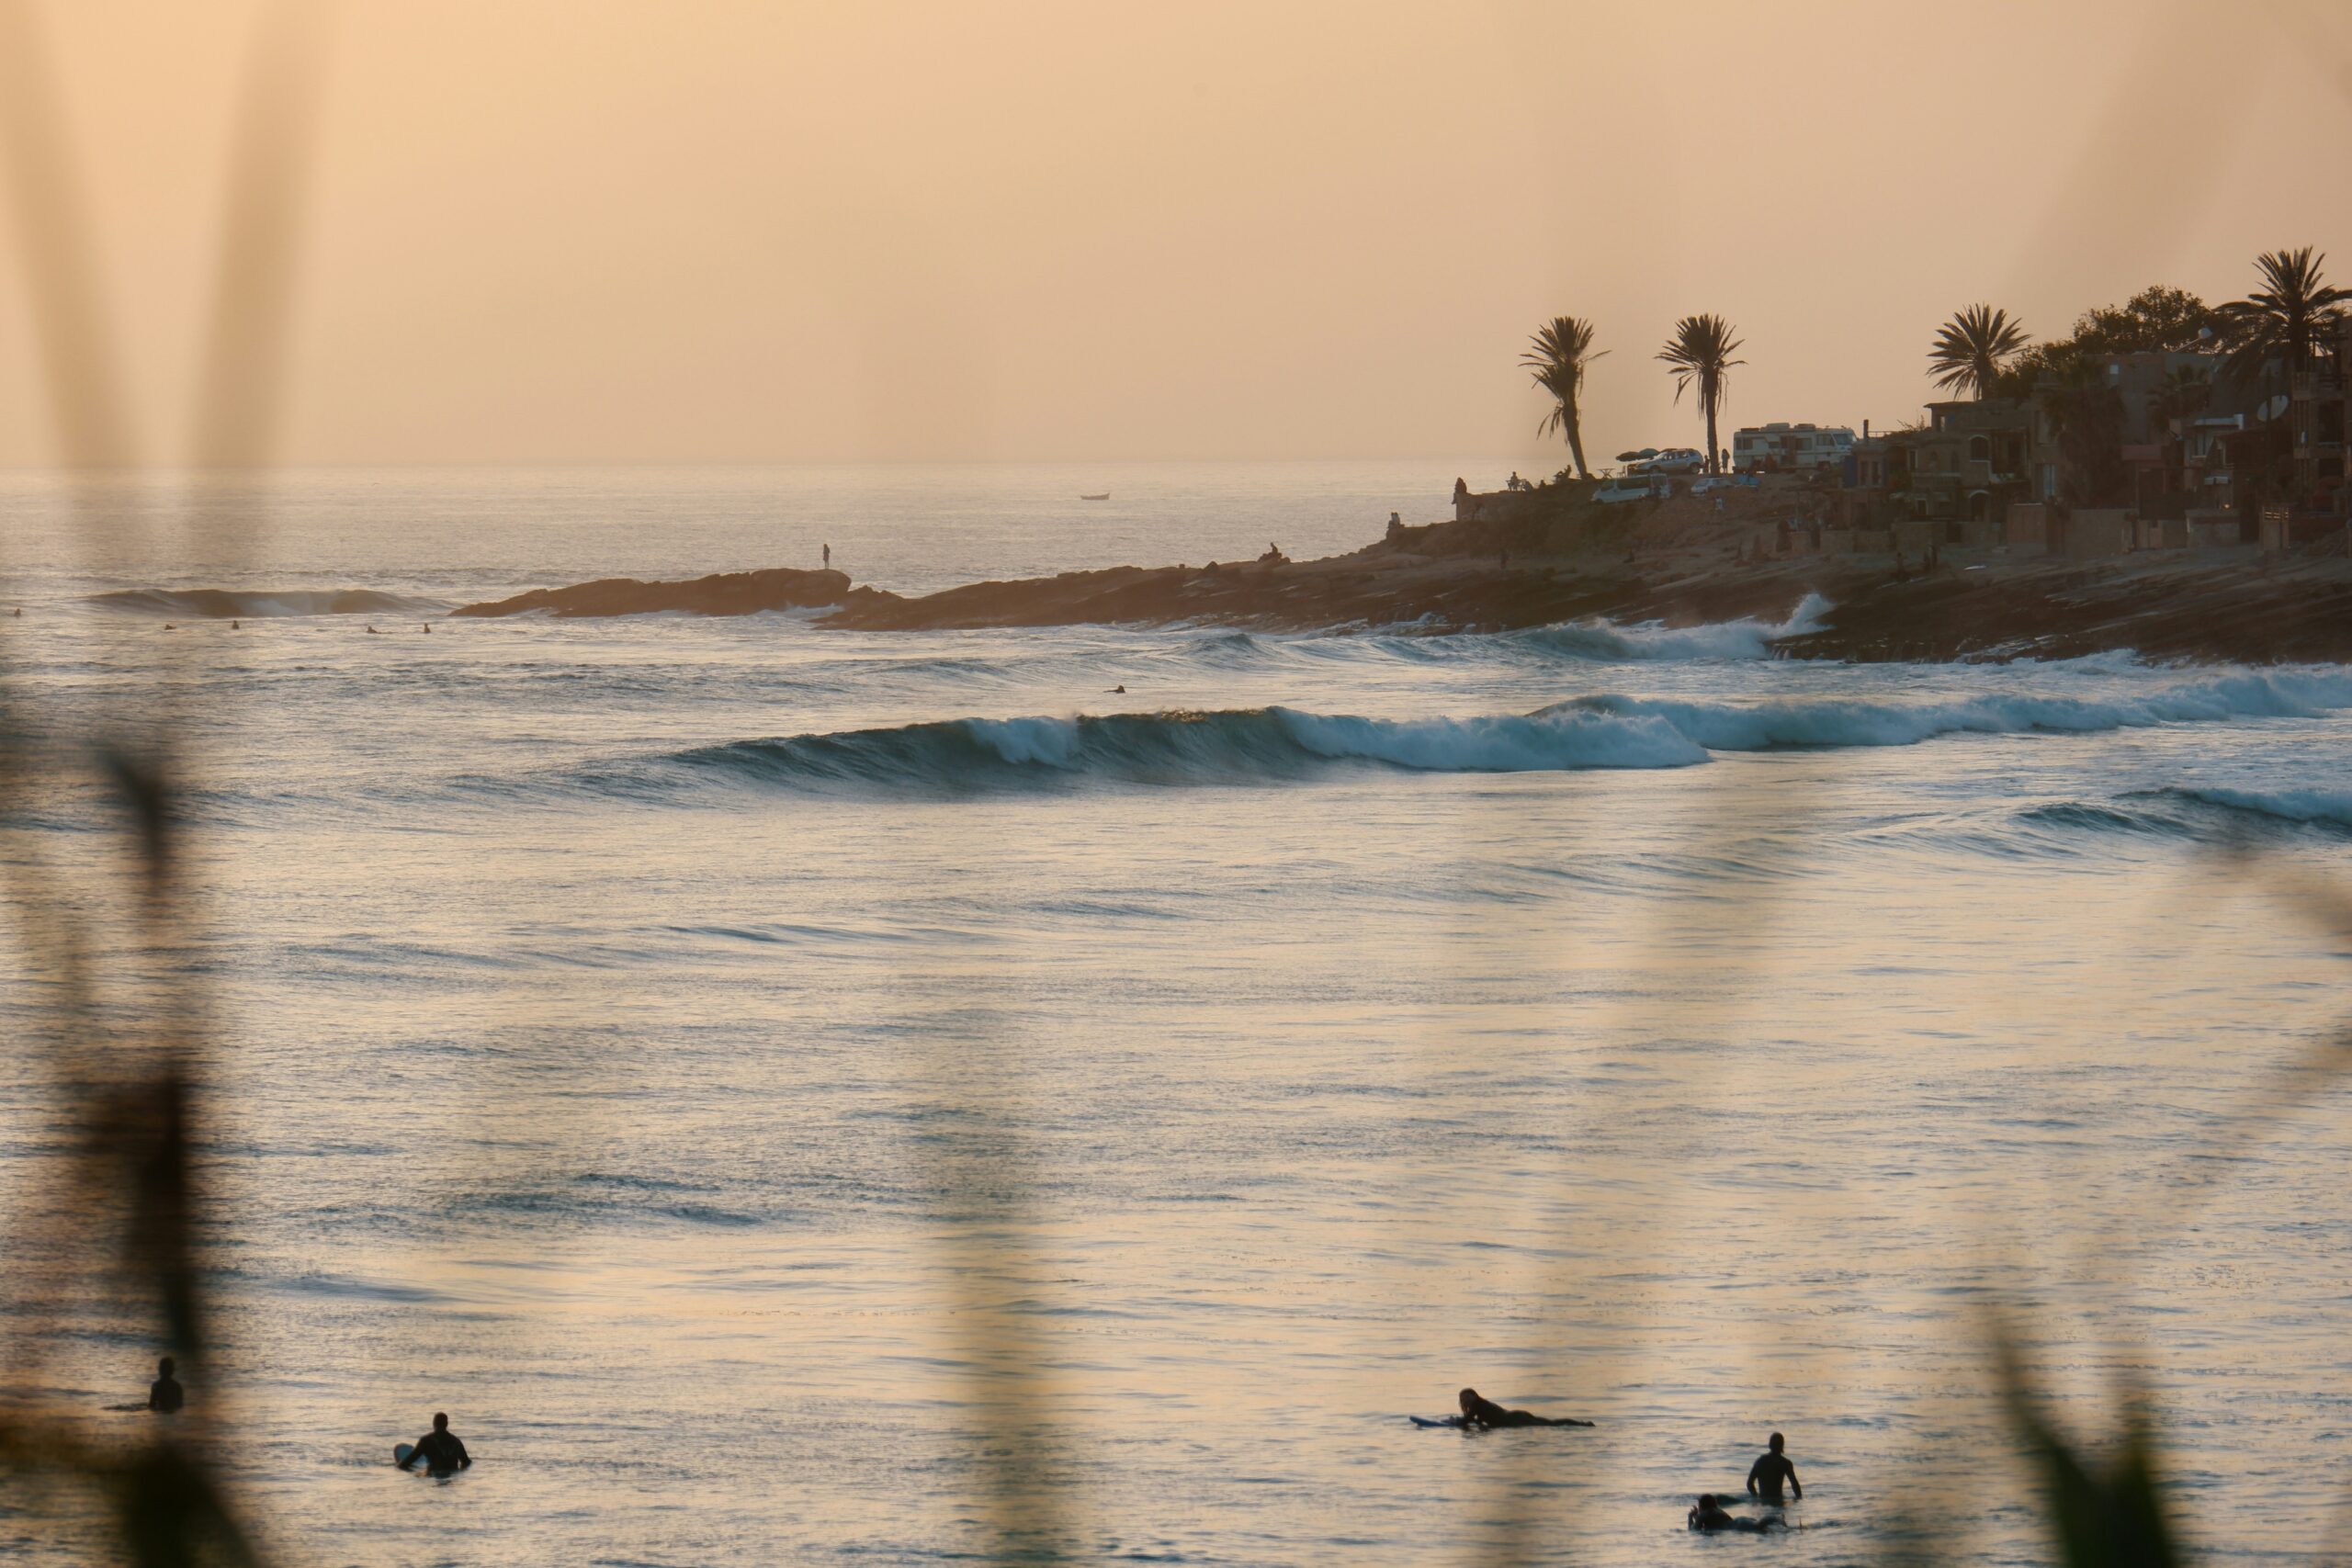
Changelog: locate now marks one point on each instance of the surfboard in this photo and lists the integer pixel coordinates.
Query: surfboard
(1454, 1421)
(401, 1452)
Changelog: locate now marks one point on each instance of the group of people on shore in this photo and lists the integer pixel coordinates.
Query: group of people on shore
(1771, 1480)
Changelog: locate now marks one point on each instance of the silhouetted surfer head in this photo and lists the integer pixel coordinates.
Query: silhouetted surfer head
(1484, 1411)
(165, 1395)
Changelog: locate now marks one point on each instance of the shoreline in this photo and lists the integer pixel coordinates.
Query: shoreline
(2218, 606)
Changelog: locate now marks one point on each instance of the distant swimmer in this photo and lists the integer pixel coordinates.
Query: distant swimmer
(1117, 691)
(428, 628)
(233, 626)
(1766, 1475)
(373, 632)
(440, 1451)
(170, 627)
(1710, 1515)
(1478, 1412)
(165, 1395)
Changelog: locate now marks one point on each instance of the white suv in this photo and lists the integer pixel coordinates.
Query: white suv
(1673, 460)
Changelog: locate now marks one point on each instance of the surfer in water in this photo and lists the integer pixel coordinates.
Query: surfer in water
(440, 1450)
(1480, 1412)
(1766, 1475)
(165, 1395)
(1710, 1515)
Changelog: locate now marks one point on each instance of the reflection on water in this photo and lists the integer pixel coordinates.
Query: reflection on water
(758, 1172)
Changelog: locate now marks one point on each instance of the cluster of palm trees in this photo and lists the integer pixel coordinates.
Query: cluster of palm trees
(2282, 322)
(1698, 354)
(1981, 351)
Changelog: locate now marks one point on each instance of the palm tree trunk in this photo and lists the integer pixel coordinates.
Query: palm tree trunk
(1710, 395)
(1576, 445)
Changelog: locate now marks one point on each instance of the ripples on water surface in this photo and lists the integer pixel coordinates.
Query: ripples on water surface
(703, 1055)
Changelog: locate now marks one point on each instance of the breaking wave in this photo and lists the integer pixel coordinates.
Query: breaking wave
(972, 755)
(2325, 808)
(1730, 641)
(221, 603)
(1594, 641)
(1822, 723)
(966, 755)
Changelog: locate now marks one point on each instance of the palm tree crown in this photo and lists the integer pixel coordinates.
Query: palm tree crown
(1562, 348)
(2284, 317)
(1967, 354)
(1700, 353)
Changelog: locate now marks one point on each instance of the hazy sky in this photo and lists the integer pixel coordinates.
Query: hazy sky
(647, 231)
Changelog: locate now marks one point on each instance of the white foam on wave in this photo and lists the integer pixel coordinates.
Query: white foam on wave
(1597, 732)
(1731, 640)
(1827, 723)
(1527, 743)
(1602, 642)
(1512, 743)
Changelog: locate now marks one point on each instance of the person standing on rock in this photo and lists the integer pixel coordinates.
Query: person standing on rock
(829, 555)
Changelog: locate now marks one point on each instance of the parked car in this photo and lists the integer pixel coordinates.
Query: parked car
(1629, 486)
(1675, 460)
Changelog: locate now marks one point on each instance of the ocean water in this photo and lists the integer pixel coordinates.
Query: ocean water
(802, 1096)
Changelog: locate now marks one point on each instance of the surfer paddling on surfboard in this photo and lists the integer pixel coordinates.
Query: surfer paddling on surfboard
(1477, 1411)
(1710, 1515)
(440, 1451)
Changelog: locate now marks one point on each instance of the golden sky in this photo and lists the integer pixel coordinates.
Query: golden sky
(654, 231)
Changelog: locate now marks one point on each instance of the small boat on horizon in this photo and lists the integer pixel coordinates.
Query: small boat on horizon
(1104, 496)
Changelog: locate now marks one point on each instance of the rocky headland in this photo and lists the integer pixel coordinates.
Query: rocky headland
(1675, 562)
(723, 593)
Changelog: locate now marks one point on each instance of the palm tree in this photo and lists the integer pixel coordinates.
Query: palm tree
(1700, 351)
(2182, 392)
(2283, 319)
(1561, 351)
(1967, 354)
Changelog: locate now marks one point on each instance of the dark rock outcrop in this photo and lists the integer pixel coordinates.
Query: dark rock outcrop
(725, 593)
(1451, 577)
